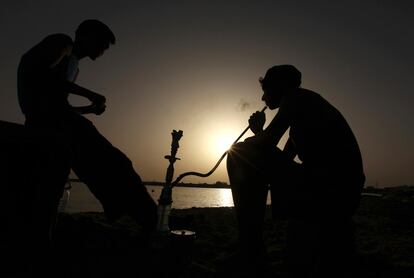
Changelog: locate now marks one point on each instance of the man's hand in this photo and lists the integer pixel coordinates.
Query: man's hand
(97, 99)
(98, 104)
(75, 89)
(257, 121)
(90, 109)
(98, 109)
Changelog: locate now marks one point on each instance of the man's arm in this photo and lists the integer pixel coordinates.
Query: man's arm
(90, 109)
(98, 101)
(279, 124)
(75, 89)
(270, 137)
(275, 130)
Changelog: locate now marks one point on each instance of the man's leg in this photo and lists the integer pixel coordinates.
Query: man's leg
(335, 229)
(110, 176)
(249, 171)
(249, 190)
(321, 239)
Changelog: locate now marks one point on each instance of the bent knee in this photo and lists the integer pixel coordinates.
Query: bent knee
(236, 153)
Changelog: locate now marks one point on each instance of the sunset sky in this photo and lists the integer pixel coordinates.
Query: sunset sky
(194, 66)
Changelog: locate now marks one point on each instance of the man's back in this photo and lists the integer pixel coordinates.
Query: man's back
(323, 139)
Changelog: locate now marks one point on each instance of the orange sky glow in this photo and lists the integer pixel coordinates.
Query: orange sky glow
(195, 67)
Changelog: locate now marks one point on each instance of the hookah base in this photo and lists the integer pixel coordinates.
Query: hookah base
(173, 251)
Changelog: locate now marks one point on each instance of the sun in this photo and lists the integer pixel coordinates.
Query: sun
(222, 143)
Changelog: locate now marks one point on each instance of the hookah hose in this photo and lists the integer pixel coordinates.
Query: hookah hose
(204, 175)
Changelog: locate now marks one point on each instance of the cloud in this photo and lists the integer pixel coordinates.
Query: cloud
(243, 105)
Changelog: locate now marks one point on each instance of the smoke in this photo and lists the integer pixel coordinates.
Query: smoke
(243, 105)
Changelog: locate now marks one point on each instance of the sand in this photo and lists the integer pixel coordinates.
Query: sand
(89, 246)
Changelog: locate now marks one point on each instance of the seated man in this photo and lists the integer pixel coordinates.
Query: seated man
(46, 76)
(317, 196)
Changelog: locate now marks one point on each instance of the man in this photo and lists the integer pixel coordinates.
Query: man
(318, 196)
(46, 76)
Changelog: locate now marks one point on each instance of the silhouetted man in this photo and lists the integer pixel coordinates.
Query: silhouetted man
(318, 195)
(46, 76)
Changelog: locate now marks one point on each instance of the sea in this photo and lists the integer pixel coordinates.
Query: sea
(79, 199)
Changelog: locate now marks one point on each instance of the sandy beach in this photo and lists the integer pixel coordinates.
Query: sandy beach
(92, 247)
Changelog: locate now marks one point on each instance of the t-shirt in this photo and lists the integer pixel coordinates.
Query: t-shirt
(40, 91)
(72, 68)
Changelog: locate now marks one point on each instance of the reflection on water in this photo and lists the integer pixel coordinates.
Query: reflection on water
(225, 197)
(188, 197)
(183, 197)
(81, 199)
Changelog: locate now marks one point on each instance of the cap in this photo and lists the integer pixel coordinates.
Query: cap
(286, 76)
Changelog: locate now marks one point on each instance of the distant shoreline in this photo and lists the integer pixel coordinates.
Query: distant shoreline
(195, 185)
(367, 188)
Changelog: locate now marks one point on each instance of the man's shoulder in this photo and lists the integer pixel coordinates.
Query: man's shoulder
(306, 93)
(49, 43)
(300, 96)
(305, 101)
(56, 40)
(309, 98)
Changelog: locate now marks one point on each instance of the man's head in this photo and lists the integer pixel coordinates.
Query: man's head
(277, 82)
(92, 38)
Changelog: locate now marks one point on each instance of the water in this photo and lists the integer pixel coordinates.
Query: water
(81, 200)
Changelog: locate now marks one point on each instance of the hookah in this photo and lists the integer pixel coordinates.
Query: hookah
(165, 200)
(179, 241)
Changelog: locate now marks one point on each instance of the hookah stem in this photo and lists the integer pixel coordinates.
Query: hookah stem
(165, 197)
(165, 200)
(204, 175)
